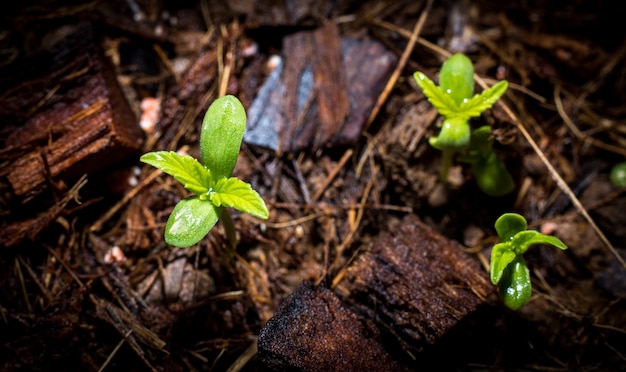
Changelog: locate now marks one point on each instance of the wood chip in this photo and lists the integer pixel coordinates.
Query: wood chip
(82, 126)
(410, 287)
(300, 106)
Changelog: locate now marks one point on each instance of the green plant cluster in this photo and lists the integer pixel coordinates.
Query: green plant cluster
(454, 99)
(222, 131)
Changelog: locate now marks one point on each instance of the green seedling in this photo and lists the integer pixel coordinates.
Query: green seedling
(489, 171)
(210, 181)
(508, 268)
(618, 175)
(454, 100)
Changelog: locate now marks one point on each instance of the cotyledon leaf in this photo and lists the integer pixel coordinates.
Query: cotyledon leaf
(190, 221)
(456, 78)
(515, 287)
(509, 224)
(220, 139)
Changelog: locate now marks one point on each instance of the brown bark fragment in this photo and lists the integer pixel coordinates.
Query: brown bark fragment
(321, 94)
(83, 126)
(30, 228)
(320, 51)
(313, 331)
(415, 283)
(298, 48)
(410, 287)
(330, 81)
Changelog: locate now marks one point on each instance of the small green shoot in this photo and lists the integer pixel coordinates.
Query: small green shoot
(618, 175)
(491, 174)
(508, 268)
(210, 181)
(455, 101)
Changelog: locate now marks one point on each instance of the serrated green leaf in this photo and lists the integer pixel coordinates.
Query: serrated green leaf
(220, 139)
(184, 168)
(234, 193)
(444, 104)
(456, 78)
(509, 224)
(476, 105)
(190, 221)
(515, 287)
(524, 239)
(501, 256)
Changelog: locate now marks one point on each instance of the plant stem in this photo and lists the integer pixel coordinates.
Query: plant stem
(446, 162)
(229, 228)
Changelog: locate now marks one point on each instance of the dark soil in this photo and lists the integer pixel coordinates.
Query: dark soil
(88, 283)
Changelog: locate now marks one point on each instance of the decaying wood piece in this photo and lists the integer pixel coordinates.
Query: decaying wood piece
(70, 115)
(416, 283)
(313, 331)
(29, 228)
(319, 52)
(410, 287)
(321, 94)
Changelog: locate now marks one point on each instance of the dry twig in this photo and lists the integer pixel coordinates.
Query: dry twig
(400, 67)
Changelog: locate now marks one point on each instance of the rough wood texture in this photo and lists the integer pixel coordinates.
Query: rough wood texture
(415, 283)
(71, 118)
(313, 331)
(321, 94)
(319, 51)
(410, 287)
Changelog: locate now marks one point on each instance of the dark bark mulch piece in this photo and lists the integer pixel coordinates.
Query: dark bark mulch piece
(410, 287)
(72, 118)
(313, 331)
(415, 283)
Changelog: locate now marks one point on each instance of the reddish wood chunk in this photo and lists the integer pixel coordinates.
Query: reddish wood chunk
(313, 331)
(415, 283)
(410, 287)
(70, 115)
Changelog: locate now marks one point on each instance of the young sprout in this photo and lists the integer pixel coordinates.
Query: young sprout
(210, 181)
(491, 174)
(454, 100)
(618, 175)
(508, 268)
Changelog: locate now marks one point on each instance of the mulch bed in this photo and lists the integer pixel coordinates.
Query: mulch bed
(367, 261)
